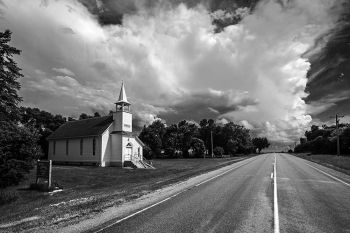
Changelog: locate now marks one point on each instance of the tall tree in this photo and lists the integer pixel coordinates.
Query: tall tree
(9, 75)
(171, 141)
(187, 131)
(18, 142)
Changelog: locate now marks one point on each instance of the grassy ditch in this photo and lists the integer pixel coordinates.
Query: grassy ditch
(88, 190)
(339, 163)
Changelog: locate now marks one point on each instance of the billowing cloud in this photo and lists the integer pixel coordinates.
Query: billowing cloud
(174, 61)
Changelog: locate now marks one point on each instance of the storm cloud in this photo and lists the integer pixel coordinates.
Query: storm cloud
(241, 61)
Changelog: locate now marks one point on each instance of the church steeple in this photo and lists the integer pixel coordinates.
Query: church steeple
(122, 104)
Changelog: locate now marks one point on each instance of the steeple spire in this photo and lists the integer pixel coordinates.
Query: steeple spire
(122, 95)
(122, 104)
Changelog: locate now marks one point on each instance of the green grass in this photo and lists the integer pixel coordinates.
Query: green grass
(340, 163)
(96, 188)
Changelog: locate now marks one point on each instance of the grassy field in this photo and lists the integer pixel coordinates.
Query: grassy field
(340, 163)
(87, 190)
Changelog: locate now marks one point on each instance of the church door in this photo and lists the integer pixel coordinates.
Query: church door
(128, 152)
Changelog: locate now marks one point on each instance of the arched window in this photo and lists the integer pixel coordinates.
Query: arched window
(54, 147)
(94, 146)
(81, 146)
(67, 144)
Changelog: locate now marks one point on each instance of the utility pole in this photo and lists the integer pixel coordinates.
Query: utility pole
(337, 131)
(211, 137)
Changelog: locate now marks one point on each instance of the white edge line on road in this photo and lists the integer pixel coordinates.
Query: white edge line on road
(335, 178)
(166, 199)
(275, 202)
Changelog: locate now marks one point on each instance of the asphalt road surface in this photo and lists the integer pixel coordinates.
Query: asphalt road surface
(242, 200)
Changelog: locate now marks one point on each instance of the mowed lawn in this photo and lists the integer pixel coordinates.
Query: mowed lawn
(340, 163)
(88, 189)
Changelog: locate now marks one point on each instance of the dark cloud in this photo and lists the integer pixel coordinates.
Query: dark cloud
(209, 104)
(111, 12)
(330, 67)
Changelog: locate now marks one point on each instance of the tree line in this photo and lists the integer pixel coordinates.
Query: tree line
(188, 139)
(323, 140)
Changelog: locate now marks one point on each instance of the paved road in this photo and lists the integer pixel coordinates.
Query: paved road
(242, 201)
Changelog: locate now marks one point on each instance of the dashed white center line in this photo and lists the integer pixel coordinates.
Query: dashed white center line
(275, 202)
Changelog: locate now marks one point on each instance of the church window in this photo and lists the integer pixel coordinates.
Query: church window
(67, 144)
(54, 147)
(94, 146)
(81, 146)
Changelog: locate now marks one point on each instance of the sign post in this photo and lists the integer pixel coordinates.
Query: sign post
(43, 171)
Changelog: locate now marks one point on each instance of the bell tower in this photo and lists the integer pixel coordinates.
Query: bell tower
(122, 117)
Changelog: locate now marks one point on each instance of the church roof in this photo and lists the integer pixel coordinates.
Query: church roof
(82, 128)
(122, 95)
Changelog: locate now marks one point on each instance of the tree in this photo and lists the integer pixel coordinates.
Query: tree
(9, 75)
(231, 146)
(260, 143)
(234, 139)
(170, 141)
(84, 116)
(186, 131)
(43, 122)
(152, 136)
(18, 142)
(197, 145)
(71, 119)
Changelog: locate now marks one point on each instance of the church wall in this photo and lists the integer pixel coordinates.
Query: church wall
(116, 148)
(106, 146)
(111, 148)
(74, 154)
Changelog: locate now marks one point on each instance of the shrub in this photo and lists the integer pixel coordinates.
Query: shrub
(147, 152)
(218, 151)
(7, 197)
(18, 149)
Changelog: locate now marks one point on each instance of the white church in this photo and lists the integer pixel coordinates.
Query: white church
(103, 141)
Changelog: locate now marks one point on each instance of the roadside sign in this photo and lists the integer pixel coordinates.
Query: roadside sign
(43, 171)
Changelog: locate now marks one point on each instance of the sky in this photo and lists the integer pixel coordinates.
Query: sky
(274, 66)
